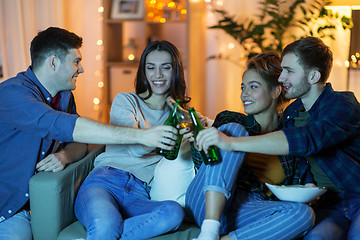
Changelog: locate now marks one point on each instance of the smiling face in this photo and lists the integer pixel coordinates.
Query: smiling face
(158, 71)
(293, 77)
(69, 69)
(255, 93)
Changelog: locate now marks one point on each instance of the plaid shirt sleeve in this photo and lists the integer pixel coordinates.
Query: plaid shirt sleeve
(331, 137)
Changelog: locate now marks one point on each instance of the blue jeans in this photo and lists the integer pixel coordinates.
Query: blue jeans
(337, 217)
(114, 204)
(16, 227)
(220, 177)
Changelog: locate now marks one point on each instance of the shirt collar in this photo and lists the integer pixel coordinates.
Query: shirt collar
(31, 76)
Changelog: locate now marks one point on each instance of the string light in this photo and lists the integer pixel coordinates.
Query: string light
(347, 63)
(165, 10)
(101, 84)
(231, 45)
(354, 61)
(98, 57)
(131, 57)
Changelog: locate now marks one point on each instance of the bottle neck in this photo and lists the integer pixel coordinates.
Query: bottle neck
(195, 119)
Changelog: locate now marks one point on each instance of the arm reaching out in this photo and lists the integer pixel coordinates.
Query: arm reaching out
(274, 143)
(89, 131)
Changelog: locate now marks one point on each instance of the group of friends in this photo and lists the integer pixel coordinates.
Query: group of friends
(314, 140)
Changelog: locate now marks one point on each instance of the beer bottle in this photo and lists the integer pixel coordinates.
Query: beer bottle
(182, 115)
(172, 121)
(213, 156)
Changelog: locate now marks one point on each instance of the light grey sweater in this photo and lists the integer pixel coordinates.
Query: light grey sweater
(129, 110)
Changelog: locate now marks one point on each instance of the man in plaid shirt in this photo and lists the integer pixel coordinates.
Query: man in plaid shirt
(319, 140)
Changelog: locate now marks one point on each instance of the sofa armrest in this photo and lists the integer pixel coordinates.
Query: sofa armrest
(52, 196)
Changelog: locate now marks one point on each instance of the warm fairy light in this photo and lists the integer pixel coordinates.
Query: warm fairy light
(166, 10)
(101, 84)
(171, 5)
(354, 61)
(231, 45)
(208, 1)
(353, 58)
(96, 101)
(131, 57)
(347, 64)
(98, 57)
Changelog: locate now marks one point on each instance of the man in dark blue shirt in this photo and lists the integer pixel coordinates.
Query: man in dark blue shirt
(319, 137)
(40, 129)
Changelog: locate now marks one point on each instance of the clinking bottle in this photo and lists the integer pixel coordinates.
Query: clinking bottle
(213, 156)
(172, 120)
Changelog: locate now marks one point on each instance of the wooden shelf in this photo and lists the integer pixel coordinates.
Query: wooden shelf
(119, 74)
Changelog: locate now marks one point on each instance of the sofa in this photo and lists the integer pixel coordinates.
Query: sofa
(52, 197)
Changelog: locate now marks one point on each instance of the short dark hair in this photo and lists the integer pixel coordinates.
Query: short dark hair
(178, 85)
(53, 40)
(268, 66)
(312, 53)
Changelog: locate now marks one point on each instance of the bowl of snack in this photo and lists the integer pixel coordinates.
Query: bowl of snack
(296, 193)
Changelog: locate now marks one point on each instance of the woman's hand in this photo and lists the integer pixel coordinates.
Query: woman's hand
(187, 133)
(213, 137)
(160, 136)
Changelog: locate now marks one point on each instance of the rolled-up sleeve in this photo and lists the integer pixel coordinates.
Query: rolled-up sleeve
(23, 110)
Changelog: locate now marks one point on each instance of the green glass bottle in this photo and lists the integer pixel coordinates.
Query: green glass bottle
(213, 156)
(172, 120)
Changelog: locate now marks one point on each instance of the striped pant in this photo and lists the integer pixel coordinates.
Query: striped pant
(246, 215)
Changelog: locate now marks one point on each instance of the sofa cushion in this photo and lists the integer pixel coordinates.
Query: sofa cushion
(52, 196)
(186, 231)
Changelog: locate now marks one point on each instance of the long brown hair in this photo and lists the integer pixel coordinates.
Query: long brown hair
(178, 85)
(268, 66)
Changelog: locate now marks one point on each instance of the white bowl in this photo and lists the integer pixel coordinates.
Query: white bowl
(296, 193)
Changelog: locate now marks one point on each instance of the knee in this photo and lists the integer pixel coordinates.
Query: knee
(104, 229)
(305, 216)
(314, 236)
(234, 130)
(173, 215)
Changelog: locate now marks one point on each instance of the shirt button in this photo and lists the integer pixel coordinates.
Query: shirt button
(48, 98)
(42, 153)
(26, 195)
(9, 211)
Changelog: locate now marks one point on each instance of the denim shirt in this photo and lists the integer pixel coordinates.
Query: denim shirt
(331, 137)
(29, 130)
